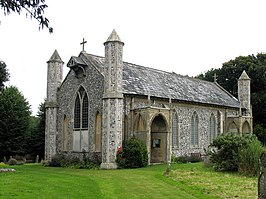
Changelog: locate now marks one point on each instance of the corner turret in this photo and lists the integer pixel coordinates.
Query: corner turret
(54, 79)
(244, 93)
(113, 66)
(112, 101)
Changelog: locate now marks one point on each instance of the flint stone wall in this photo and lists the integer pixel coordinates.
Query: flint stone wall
(92, 82)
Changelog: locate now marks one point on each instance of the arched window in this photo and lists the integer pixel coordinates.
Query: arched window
(219, 123)
(175, 131)
(81, 110)
(246, 128)
(212, 127)
(232, 128)
(194, 138)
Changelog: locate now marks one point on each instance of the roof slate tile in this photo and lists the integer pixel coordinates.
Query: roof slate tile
(140, 80)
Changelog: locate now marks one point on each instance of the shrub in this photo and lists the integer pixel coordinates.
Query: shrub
(12, 161)
(133, 154)
(186, 159)
(181, 159)
(71, 161)
(260, 132)
(225, 156)
(249, 158)
(57, 160)
(87, 162)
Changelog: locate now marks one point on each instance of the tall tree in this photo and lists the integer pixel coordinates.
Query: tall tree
(255, 66)
(14, 122)
(4, 75)
(35, 143)
(33, 8)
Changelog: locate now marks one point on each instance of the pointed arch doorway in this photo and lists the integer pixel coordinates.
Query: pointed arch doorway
(158, 140)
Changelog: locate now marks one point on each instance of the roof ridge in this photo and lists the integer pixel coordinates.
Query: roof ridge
(155, 69)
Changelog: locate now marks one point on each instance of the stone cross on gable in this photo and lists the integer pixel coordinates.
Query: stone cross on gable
(83, 44)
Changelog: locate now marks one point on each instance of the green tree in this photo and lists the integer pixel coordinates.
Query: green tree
(33, 8)
(14, 122)
(255, 66)
(4, 75)
(36, 141)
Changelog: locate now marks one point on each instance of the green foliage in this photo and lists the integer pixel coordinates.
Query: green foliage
(255, 66)
(14, 122)
(249, 158)
(133, 154)
(225, 156)
(260, 132)
(186, 159)
(4, 75)
(71, 161)
(56, 160)
(36, 141)
(33, 8)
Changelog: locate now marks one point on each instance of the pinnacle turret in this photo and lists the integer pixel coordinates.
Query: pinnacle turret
(55, 57)
(244, 75)
(113, 37)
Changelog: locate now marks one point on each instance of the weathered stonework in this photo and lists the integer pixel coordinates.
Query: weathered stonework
(54, 79)
(112, 101)
(92, 82)
(126, 100)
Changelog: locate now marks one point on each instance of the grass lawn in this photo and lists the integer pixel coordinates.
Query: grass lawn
(185, 181)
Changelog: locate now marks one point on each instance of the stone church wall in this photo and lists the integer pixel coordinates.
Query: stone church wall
(184, 112)
(93, 85)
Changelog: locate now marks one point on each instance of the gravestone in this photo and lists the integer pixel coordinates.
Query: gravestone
(262, 177)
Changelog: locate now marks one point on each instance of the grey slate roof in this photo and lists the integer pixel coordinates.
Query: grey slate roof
(140, 80)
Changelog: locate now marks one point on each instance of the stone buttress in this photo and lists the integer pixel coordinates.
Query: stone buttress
(54, 79)
(112, 101)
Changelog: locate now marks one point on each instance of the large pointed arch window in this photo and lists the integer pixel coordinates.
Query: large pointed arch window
(194, 138)
(175, 131)
(81, 110)
(212, 127)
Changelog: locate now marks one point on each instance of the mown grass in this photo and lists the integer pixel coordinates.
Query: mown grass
(215, 184)
(185, 181)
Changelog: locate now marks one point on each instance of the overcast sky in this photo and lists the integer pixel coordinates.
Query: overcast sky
(185, 36)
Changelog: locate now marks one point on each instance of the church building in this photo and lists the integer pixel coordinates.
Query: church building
(104, 100)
